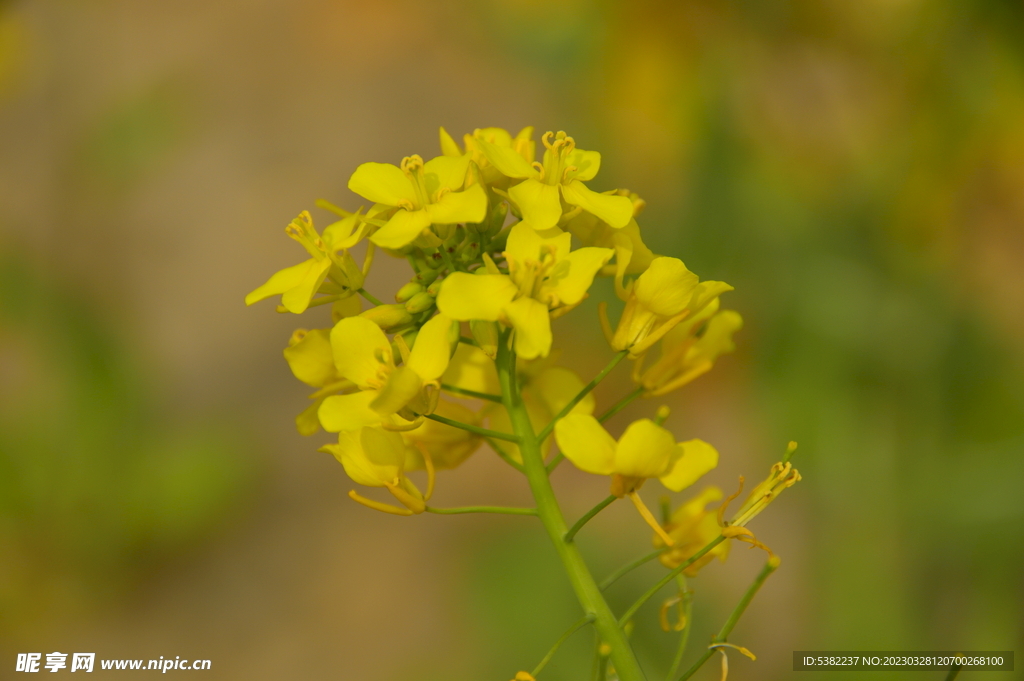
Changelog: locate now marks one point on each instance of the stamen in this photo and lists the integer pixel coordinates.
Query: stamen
(646, 514)
(544, 139)
(539, 167)
(428, 461)
(378, 505)
(725, 504)
(663, 615)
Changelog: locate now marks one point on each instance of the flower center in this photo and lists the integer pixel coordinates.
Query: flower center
(412, 166)
(554, 168)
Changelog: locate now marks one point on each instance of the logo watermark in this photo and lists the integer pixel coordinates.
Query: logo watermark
(32, 663)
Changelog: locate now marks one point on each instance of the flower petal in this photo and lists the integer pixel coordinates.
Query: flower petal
(526, 244)
(448, 145)
(296, 299)
(587, 162)
(532, 323)
(466, 206)
(345, 233)
(445, 171)
(471, 369)
(698, 458)
(586, 443)
(358, 345)
(539, 203)
(341, 413)
(666, 287)
(505, 159)
(617, 211)
(645, 450)
(402, 386)
(570, 282)
(281, 281)
(465, 296)
(382, 183)
(310, 357)
(556, 386)
(430, 352)
(402, 228)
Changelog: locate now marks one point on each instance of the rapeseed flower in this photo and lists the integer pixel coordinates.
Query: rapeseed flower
(692, 527)
(522, 144)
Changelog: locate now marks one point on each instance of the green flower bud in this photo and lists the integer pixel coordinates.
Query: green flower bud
(408, 291)
(486, 336)
(388, 317)
(435, 287)
(419, 302)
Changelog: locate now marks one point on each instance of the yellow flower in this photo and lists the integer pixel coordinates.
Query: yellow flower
(520, 144)
(692, 527)
(543, 275)
(685, 355)
(424, 194)
(389, 395)
(645, 450)
(298, 284)
(631, 254)
(310, 358)
(446, 445)
(664, 295)
(561, 176)
(375, 457)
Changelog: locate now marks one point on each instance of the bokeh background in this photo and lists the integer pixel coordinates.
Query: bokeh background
(855, 169)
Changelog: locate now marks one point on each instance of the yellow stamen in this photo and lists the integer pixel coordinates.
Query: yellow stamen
(377, 505)
(428, 461)
(725, 504)
(663, 615)
(650, 519)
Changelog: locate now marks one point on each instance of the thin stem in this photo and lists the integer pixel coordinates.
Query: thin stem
(579, 624)
(470, 393)
(486, 432)
(730, 623)
(365, 294)
(621, 404)
(954, 671)
(554, 462)
(626, 569)
(684, 638)
(588, 515)
(507, 510)
(576, 569)
(668, 578)
(505, 455)
(468, 341)
(619, 356)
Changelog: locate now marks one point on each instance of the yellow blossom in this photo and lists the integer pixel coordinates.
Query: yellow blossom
(375, 457)
(299, 283)
(543, 276)
(559, 177)
(447, 446)
(423, 193)
(664, 295)
(645, 450)
(310, 358)
(686, 355)
(521, 144)
(389, 395)
(692, 527)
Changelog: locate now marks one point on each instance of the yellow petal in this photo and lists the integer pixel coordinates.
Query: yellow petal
(466, 206)
(472, 369)
(430, 353)
(617, 211)
(445, 171)
(349, 453)
(348, 412)
(448, 446)
(525, 244)
(281, 281)
(556, 386)
(296, 299)
(571, 281)
(402, 386)
(382, 183)
(705, 292)
(308, 422)
(532, 323)
(586, 443)
(310, 357)
(645, 450)
(587, 162)
(539, 203)
(448, 145)
(466, 296)
(344, 233)
(698, 458)
(666, 287)
(402, 228)
(358, 345)
(506, 160)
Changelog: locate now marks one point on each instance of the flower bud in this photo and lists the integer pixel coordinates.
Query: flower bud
(408, 291)
(427, 276)
(388, 317)
(435, 287)
(486, 336)
(420, 302)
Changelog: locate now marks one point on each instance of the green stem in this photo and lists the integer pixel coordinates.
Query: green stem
(582, 622)
(668, 578)
(588, 515)
(723, 633)
(581, 394)
(582, 581)
(471, 393)
(486, 432)
(622, 571)
(554, 462)
(505, 455)
(507, 510)
(447, 259)
(363, 292)
(954, 671)
(468, 341)
(685, 636)
(621, 404)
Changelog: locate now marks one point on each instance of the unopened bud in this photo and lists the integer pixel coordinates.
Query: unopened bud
(408, 291)
(435, 287)
(486, 336)
(419, 302)
(388, 317)
(427, 276)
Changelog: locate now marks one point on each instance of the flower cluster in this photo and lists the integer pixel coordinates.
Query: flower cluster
(500, 244)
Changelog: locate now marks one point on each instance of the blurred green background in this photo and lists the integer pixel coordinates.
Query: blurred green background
(855, 169)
